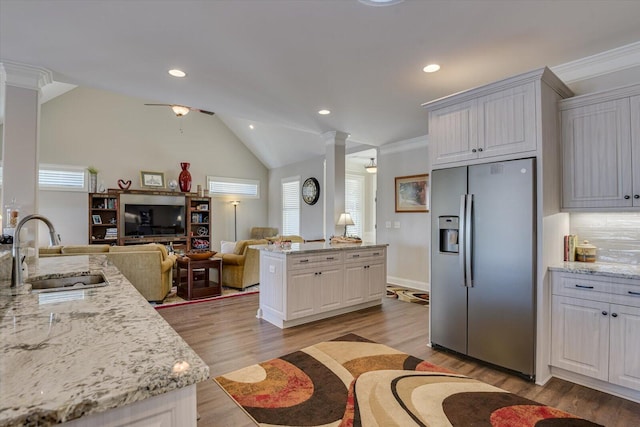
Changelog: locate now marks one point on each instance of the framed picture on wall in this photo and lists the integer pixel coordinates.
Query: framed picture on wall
(151, 179)
(412, 193)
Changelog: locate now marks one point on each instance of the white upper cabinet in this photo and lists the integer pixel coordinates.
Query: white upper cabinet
(506, 121)
(601, 150)
(500, 121)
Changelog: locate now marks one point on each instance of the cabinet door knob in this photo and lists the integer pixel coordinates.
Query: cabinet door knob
(604, 313)
(636, 196)
(627, 197)
(614, 314)
(473, 150)
(479, 149)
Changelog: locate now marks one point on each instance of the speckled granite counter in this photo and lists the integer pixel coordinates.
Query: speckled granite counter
(68, 354)
(302, 248)
(622, 271)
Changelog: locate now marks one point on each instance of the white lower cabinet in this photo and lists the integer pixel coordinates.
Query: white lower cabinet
(296, 288)
(595, 329)
(314, 290)
(581, 336)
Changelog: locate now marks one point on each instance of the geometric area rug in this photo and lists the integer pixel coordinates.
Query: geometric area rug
(352, 381)
(408, 295)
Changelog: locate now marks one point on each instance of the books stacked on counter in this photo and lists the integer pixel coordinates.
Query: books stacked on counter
(570, 242)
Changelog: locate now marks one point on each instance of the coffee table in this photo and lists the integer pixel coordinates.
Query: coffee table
(196, 283)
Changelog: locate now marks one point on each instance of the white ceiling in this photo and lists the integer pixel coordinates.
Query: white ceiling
(275, 63)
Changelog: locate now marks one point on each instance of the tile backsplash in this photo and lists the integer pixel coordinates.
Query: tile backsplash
(616, 235)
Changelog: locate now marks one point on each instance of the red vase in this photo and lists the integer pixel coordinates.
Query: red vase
(185, 178)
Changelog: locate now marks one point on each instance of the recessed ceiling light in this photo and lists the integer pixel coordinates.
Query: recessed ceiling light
(177, 73)
(324, 112)
(431, 68)
(380, 2)
(251, 127)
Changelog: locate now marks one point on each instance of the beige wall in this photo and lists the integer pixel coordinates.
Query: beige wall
(121, 136)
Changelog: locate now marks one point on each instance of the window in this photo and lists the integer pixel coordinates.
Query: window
(233, 187)
(291, 206)
(60, 178)
(354, 202)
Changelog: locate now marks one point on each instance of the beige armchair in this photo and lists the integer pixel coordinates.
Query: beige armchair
(241, 268)
(263, 232)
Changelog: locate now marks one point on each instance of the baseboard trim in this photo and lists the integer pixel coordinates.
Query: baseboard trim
(408, 283)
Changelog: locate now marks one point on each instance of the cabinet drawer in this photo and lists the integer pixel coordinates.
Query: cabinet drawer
(582, 287)
(327, 258)
(605, 289)
(368, 254)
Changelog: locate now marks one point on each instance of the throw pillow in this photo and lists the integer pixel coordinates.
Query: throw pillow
(227, 247)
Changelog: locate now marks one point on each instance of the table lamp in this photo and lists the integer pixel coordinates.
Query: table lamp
(345, 219)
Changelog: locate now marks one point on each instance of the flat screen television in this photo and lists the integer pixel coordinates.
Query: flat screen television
(152, 218)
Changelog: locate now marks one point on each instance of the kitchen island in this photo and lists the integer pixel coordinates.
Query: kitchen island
(91, 357)
(313, 281)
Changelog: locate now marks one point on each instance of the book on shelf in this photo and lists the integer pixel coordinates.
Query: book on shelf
(111, 233)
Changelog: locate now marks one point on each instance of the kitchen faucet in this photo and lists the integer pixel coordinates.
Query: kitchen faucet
(16, 273)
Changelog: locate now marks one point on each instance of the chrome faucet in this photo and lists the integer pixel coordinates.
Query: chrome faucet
(54, 239)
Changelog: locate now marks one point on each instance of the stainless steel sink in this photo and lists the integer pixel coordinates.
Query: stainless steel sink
(69, 283)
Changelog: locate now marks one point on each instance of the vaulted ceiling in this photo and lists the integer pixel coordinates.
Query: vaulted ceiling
(274, 63)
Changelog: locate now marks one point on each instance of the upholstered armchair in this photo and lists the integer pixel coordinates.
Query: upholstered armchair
(263, 232)
(241, 268)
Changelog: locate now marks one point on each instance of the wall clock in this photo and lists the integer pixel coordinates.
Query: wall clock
(310, 191)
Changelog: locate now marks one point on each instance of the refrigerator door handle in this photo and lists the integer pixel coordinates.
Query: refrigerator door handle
(462, 255)
(468, 250)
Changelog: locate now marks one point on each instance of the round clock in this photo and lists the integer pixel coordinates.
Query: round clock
(310, 191)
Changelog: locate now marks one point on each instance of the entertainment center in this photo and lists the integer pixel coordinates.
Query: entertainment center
(132, 217)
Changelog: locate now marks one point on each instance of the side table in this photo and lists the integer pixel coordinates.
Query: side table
(194, 287)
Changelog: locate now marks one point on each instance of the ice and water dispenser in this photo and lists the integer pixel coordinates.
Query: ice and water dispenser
(448, 228)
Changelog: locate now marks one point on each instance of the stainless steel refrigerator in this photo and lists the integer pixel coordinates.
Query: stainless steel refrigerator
(483, 259)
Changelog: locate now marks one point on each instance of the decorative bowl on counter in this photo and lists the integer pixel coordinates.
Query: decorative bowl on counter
(200, 255)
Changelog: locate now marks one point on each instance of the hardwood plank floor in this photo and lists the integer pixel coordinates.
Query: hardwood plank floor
(227, 335)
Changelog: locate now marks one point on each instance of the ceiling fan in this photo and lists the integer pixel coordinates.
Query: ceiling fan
(181, 110)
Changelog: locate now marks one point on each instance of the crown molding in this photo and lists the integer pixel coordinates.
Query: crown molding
(335, 137)
(24, 76)
(606, 62)
(405, 145)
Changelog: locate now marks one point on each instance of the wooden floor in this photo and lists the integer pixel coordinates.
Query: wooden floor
(227, 335)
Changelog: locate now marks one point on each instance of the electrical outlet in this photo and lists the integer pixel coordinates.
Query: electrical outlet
(396, 224)
(387, 224)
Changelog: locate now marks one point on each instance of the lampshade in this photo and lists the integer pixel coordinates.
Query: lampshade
(372, 167)
(180, 110)
(345, 219)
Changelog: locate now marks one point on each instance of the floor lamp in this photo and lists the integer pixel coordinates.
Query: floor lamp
(235, 204)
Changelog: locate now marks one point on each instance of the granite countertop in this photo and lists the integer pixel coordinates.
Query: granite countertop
(73, 353)
(301, 248)
(621, 271)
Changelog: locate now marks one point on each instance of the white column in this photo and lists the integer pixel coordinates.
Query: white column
(21, 86)
(334, 186)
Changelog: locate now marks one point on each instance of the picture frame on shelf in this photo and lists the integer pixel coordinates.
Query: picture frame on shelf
(152, 179)
(412, 193)
(96, 219)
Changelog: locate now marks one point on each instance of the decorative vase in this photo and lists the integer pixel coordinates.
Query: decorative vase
(185, 178)
(93, 183)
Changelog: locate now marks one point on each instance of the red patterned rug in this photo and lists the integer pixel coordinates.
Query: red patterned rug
(351, 381)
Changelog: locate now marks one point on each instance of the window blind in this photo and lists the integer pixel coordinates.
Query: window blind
(354, 203)
(291, 206)
(227, 187)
